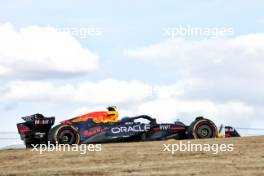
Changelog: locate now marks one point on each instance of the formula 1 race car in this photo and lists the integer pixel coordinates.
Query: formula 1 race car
(104, 126)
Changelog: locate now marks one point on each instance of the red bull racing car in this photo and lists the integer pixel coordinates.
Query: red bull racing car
(104, 127)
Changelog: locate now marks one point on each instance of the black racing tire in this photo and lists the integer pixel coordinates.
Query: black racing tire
(202, 128)
(64, 134)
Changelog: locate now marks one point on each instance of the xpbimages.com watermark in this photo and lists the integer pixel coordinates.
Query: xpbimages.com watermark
(194, 147)
(191, 31)
(80, 32)
(82, 148)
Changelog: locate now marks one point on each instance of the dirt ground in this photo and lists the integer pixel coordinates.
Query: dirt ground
(145, 158)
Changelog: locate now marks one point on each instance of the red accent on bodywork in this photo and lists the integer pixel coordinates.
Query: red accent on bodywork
(178, 128)
(23, 129)
(155, 129)
(66, 122)
(228, 132)
(172, 129)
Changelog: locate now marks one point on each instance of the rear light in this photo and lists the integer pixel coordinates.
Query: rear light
(22, 129)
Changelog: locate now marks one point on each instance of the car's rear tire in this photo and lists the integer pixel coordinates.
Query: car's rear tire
(64, 134)
(202, 128)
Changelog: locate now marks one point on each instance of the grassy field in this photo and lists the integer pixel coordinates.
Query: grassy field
(145, 158)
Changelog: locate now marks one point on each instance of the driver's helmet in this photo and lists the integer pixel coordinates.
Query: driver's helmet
(112, 108)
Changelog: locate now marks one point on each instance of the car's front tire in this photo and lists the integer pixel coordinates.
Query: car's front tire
(202, 128)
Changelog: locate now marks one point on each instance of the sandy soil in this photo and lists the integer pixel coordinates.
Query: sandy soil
(145, 158)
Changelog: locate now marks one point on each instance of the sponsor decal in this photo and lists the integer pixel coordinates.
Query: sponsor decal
(39, 134)
(94, 131)
(127, 129)
(164, 127)
(43, 121)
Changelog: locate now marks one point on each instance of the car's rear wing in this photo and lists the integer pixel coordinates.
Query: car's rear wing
(35, 129)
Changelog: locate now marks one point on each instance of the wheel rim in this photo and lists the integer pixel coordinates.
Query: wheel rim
(205, 131)
(67, 137)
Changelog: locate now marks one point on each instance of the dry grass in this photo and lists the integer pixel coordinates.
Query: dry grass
(145, 158)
